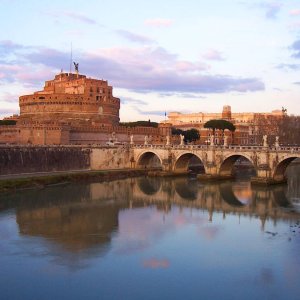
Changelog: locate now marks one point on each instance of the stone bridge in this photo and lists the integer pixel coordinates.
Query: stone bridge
(269, 163)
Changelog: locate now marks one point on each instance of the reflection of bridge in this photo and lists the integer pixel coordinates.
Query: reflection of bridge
(80, 217)
(269, 163)
(225, 197)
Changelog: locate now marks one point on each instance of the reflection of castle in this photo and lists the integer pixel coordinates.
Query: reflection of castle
(74, 109)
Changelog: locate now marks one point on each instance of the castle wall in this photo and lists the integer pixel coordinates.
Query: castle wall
(9, 134)
(44, 135)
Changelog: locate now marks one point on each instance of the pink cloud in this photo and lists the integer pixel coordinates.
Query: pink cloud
(142, 69)
(133, 37)
(158, 22)
(295, 12)
(186, 66)
(213, 55)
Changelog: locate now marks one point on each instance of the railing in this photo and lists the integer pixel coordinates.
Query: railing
(218, 147)
(290, 149)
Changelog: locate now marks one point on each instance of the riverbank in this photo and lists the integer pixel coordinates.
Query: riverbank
(41, 180)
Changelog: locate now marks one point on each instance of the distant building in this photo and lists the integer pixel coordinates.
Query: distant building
(249, 126)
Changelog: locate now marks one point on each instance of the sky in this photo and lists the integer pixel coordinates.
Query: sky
(160, 56)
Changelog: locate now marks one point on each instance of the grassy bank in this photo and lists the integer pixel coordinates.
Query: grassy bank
(7, 185)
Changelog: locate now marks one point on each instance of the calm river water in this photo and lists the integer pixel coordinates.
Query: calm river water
(149, 238)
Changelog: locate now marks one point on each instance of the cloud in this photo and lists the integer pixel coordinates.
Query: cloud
(9, 97)
(75, 16)
(288, 67)
(294, 25)
(7, 47)
(271, 9)
(143, 69)
(294, 12)
(8, 111)
(136, 38)
(213, 55)
(297, 83)
(183, 95)
(128, 100)
(151, 112)
(80, 17)
(296, 48)
(158, 22)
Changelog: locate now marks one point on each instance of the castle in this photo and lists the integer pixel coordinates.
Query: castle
(74, 109)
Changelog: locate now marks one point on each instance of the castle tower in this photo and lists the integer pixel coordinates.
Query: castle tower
(226, 112)
(165, 129)
(72, 98)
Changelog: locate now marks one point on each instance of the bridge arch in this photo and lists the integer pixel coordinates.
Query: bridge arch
(226, 167)
(148, 160)
(183, 161)
(279, 171)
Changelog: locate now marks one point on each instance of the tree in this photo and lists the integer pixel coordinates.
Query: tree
(191, 135)
(212, 124)
(140, 123)
(220, 125)
(8, 122)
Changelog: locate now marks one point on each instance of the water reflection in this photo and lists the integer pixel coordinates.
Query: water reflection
(79, 217)
(146, 234)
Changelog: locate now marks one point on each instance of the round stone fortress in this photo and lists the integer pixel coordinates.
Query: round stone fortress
(72, 98)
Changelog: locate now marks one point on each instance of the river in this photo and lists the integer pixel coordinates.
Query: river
(152, 238)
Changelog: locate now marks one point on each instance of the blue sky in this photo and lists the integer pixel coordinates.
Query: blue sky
(187, 56)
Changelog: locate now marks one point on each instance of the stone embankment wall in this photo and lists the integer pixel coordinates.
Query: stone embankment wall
(104, 158)
(31, 159)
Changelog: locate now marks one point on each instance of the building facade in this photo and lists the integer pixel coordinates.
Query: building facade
(249, 126)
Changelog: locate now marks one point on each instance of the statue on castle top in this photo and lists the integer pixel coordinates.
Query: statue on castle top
(146, 140)
(212, 140)
(131, 139)
(76, 65)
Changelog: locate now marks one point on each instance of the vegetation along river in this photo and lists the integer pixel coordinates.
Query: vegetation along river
(152, 238)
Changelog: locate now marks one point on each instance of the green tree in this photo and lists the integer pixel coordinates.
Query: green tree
(191, 135)
(8, 122)
(212, 124)
(220, 125)
(140, 123)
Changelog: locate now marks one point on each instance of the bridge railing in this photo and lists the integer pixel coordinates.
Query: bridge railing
(219, 147)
